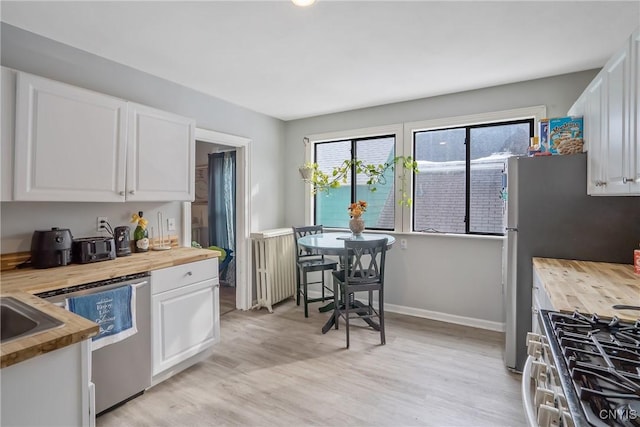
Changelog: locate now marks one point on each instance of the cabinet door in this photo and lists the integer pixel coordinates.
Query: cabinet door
(185, 322)
(617, 133)
(69, 143)
(634, 129)
(7, 127)
(161, 155)
(594, 132)
(52, 389)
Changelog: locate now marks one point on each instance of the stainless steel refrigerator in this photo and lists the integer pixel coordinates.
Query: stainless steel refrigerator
(549, 214)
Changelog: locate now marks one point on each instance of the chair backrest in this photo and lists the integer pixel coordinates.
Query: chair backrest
(366, 260)
(298, 232)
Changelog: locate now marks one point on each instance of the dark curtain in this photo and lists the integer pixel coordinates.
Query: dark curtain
(222, 199)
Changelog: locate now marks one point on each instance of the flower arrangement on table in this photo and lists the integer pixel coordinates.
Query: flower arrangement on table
(357, 209)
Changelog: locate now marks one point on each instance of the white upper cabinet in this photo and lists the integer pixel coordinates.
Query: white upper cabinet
(73, 144)
(634, 128)
(594, 135)
(70, 143)
(7, 126)
(161, 155)
(616, 140)
(611, 122)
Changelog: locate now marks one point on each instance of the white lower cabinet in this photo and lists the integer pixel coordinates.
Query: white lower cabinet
(52, 389)
(185, 314)
(540, 300)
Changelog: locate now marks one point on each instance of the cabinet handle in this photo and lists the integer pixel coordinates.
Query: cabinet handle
(122, 193)
(534, 310)
(626, 180)
(132, 192)
(189, 273)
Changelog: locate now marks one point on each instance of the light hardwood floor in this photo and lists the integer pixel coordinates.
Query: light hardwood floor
(278, 369)
(227, 299)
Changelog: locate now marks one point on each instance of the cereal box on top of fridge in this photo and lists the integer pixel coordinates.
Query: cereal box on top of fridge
(543, 132)
(565, 135)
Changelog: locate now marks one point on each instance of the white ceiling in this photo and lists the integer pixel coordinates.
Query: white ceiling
(289, 62)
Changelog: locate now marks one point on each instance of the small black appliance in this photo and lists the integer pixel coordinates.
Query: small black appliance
(122, 238)
(51, 248)
(93, 249)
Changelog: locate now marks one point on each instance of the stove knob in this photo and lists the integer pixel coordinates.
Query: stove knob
(548, 416)
(539, 371)
(534, 349)
(544, 396)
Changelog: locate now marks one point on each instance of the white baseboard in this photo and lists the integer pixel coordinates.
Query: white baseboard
(436, 315)
(446, 317)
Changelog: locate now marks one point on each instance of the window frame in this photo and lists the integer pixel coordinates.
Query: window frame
(403, 132)
(536, 113)
(467, 168)
(395, 131)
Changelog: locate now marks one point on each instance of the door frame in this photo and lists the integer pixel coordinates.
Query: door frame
(244, 295)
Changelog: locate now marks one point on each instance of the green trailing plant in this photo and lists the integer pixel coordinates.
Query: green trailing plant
(375, 173)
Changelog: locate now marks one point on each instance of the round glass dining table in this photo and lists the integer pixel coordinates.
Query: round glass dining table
(332, 243)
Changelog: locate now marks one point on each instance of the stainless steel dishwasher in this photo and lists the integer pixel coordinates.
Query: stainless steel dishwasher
(122, 370)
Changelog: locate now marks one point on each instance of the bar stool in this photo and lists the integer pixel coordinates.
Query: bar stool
(363, 272)
(308, 261)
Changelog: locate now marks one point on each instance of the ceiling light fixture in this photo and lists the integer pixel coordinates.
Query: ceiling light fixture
(303, 3)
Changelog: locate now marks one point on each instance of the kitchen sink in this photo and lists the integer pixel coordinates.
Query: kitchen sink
(18, 320)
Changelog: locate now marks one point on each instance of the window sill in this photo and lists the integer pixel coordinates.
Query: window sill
(426, 234)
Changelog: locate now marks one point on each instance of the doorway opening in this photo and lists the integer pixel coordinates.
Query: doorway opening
(213, 218)
(219, 216)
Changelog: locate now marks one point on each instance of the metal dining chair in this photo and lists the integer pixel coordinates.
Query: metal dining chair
(309, 261)
(363, 272)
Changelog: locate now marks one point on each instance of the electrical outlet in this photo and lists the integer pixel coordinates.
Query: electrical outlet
(171, 224)
(403, 243)
(100, 225)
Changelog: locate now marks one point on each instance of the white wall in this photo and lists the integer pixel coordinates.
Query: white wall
(28, 52)
(445, 277)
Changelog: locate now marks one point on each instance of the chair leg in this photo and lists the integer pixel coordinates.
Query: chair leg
(298, 286)
(381, 315)
(336, 302)
(306, 291)
(347, 303)
(322, 284)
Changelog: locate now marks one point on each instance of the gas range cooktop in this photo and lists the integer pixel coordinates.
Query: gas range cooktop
(598, 362)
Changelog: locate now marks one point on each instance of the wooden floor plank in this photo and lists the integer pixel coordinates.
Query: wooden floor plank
(280, 370)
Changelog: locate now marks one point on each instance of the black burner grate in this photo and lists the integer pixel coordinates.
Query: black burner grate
(603, 360)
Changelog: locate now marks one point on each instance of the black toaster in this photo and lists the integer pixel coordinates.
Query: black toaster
(93, 249)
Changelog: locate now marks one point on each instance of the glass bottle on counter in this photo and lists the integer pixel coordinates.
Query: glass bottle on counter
(140, 234)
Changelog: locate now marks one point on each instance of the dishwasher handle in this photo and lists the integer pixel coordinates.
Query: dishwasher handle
(59, 299)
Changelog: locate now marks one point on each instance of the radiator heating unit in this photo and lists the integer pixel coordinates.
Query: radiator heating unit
(274, 266)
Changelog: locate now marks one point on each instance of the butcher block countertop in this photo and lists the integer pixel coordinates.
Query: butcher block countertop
(590, 287)
(22, 284)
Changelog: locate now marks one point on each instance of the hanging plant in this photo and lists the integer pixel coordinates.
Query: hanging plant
(375, 173)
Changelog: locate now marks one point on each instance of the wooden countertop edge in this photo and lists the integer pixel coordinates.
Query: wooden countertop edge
(76, 328)
(624, 277)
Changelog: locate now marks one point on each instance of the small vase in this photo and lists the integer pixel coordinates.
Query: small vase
(356, 225)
